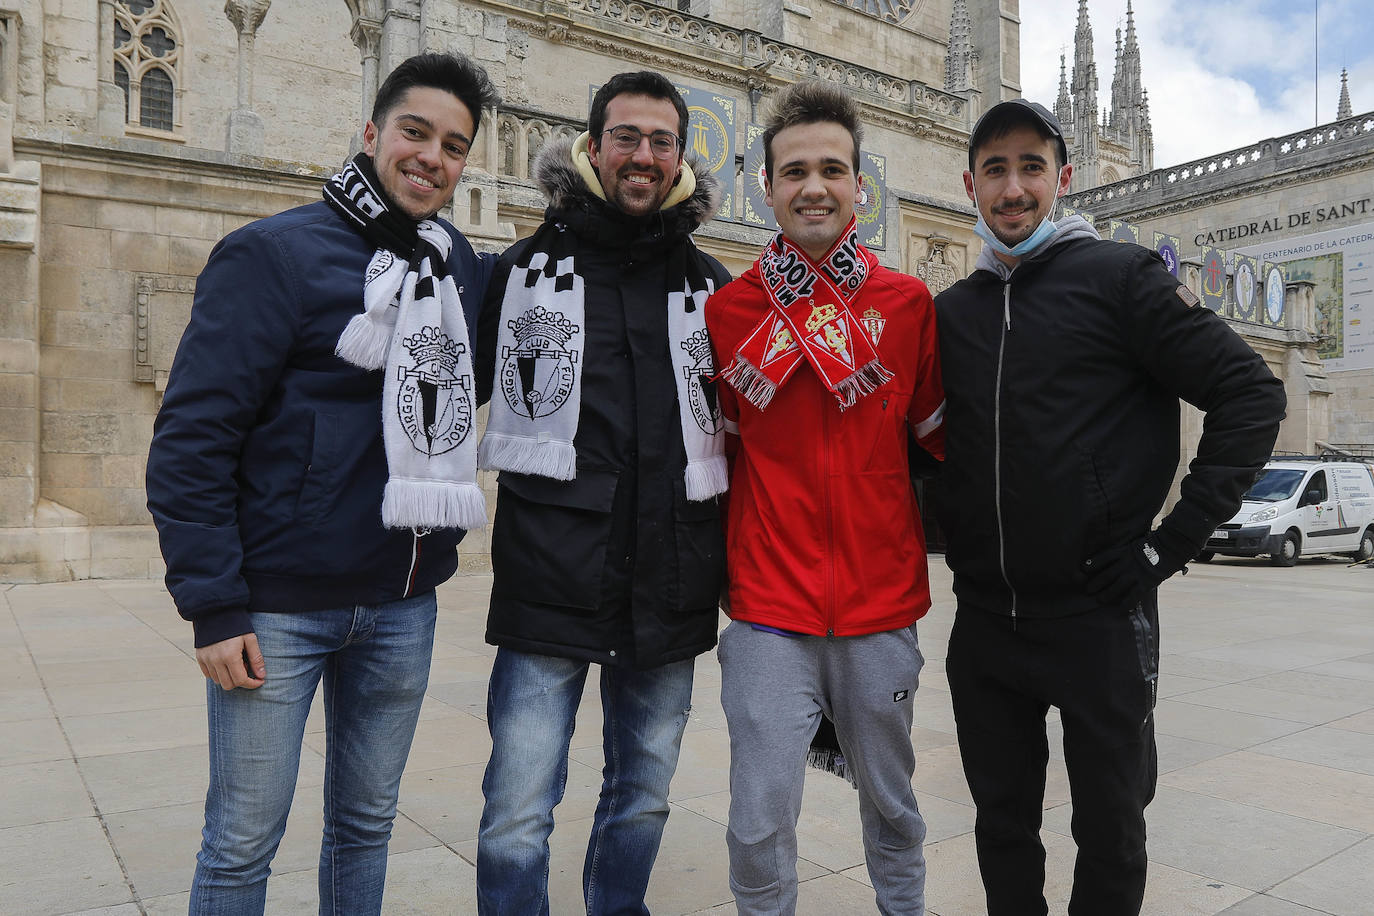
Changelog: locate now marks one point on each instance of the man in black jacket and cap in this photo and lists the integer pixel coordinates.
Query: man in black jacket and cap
(1064, 359)
(607, 546)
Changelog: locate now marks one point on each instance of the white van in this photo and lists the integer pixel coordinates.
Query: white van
(1301, 505)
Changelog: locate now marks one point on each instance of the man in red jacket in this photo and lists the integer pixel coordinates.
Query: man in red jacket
(830, 362)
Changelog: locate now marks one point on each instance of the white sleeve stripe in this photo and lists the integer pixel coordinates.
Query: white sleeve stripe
(931, 423)
(731, 426)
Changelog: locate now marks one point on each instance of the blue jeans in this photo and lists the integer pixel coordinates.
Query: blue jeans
(531, 706)
(374, 661)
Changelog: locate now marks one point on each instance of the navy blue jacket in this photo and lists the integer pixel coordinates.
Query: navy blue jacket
(266, 469)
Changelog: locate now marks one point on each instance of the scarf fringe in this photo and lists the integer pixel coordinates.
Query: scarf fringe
(524, 455)
(364, 342)
(752, 385)
(707, 477)
(865, 381)
(830, 762)
(408, 503)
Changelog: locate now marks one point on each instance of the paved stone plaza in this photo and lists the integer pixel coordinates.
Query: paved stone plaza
(1265, 804)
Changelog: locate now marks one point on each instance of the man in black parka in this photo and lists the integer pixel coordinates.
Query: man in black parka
(1064, 358)
(607, 545)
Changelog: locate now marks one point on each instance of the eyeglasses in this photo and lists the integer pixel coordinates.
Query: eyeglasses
(625, 138)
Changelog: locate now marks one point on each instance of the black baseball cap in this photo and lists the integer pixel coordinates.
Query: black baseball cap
(1005, 115)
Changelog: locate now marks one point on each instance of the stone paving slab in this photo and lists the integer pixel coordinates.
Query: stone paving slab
(1266, 735)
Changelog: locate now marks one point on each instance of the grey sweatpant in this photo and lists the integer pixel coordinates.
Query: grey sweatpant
(774, 689)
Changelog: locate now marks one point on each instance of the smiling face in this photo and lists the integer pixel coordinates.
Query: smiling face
(636, 182)
(1015, 183)
(813, 187)
(421, 149)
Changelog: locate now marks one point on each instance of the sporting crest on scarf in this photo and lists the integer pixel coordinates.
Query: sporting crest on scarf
(432, 401)
(537, 375)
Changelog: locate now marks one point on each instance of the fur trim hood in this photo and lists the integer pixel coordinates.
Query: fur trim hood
(568, 186)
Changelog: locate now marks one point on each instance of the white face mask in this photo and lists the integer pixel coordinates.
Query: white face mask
(1043, 232)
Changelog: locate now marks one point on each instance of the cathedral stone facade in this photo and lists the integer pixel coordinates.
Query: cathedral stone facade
(136, 133)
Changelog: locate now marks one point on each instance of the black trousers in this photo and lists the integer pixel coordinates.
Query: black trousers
(1100, 669)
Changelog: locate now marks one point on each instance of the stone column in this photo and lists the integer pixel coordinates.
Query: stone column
(110, 104)
(19, 408)
(366, 33)
(245, 131)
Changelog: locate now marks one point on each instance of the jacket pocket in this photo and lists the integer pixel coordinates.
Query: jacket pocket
(549, 539)
(317, 485)
(700, 551)
(887, 414)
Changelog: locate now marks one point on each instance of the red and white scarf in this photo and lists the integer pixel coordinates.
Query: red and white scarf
(810, 319)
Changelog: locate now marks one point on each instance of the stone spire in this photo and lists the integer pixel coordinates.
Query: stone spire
(1085, 158)
(959, 59)
(1343, 108)
(1147, 134)
(1063, 105)
(1117, 74)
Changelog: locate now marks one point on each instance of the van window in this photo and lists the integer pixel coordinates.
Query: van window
(1316, 482)
(1273, 485)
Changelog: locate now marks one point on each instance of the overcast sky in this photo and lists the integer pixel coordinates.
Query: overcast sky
(1222, 73)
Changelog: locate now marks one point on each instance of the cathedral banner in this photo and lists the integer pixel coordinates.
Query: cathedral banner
(1213, 276)
(756, 211)
(1338, 263)
(1246, 286)
(1273, 294)
(871, 210)
(711, 137)
(1167, 247)
(1122, 231)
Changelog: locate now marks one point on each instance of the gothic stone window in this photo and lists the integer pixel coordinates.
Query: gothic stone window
(889, 10)
(147, 52)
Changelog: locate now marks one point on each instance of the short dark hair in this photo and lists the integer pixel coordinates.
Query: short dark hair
(1004, 117)
(452, 73)
(640, 82)
(810, 102)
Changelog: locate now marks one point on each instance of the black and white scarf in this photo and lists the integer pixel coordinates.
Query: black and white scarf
(412, 327)
(541, 350)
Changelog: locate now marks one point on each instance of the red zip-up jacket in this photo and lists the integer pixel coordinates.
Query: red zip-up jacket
(823, 533)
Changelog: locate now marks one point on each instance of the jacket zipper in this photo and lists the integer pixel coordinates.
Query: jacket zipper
(829, 522)
(415, 551)
(997, 449)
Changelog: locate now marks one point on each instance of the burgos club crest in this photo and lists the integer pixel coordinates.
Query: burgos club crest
(537, 374)
(701, 394)
(434, 404)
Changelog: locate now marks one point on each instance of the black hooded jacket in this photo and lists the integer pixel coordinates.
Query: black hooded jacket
(615, 566)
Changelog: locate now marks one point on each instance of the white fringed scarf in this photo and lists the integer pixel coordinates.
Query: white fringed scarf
(540, 352)
(412, 327)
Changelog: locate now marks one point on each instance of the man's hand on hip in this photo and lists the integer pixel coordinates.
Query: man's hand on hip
(233, 662)
(1123, 575)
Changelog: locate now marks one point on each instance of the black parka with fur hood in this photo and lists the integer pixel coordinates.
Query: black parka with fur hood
(615, 566)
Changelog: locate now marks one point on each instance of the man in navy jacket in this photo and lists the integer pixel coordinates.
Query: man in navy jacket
(266, 478)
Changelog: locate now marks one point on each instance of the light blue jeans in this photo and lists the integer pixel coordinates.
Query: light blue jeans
(374, 661)
(531, 705)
